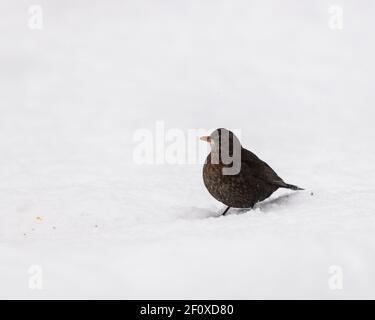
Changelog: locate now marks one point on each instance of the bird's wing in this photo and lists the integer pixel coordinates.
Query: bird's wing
(259, 169)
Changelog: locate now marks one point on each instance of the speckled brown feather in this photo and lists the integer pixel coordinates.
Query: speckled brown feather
(255, 182)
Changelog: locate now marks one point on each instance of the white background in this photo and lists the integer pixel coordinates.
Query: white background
(100, 226)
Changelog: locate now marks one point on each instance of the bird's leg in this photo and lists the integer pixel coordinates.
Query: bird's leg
(226, 210)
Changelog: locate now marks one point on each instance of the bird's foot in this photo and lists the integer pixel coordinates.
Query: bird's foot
(225, 211)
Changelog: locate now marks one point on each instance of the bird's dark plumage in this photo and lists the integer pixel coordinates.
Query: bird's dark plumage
(254, 182)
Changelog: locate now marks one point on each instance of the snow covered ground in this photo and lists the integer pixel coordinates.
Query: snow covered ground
(77, 212)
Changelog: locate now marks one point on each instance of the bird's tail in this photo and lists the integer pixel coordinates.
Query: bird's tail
(290, 186)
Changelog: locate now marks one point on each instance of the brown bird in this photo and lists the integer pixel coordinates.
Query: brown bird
(235, 176)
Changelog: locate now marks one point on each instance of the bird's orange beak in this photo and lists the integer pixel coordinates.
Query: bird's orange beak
(206, 138)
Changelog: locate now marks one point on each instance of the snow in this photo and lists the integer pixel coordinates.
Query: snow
(74, 203)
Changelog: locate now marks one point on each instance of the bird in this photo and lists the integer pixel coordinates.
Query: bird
(235, 176)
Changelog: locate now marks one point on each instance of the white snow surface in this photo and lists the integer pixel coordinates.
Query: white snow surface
(73, 201)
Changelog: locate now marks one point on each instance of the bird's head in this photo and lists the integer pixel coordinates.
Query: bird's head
(222, 141)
